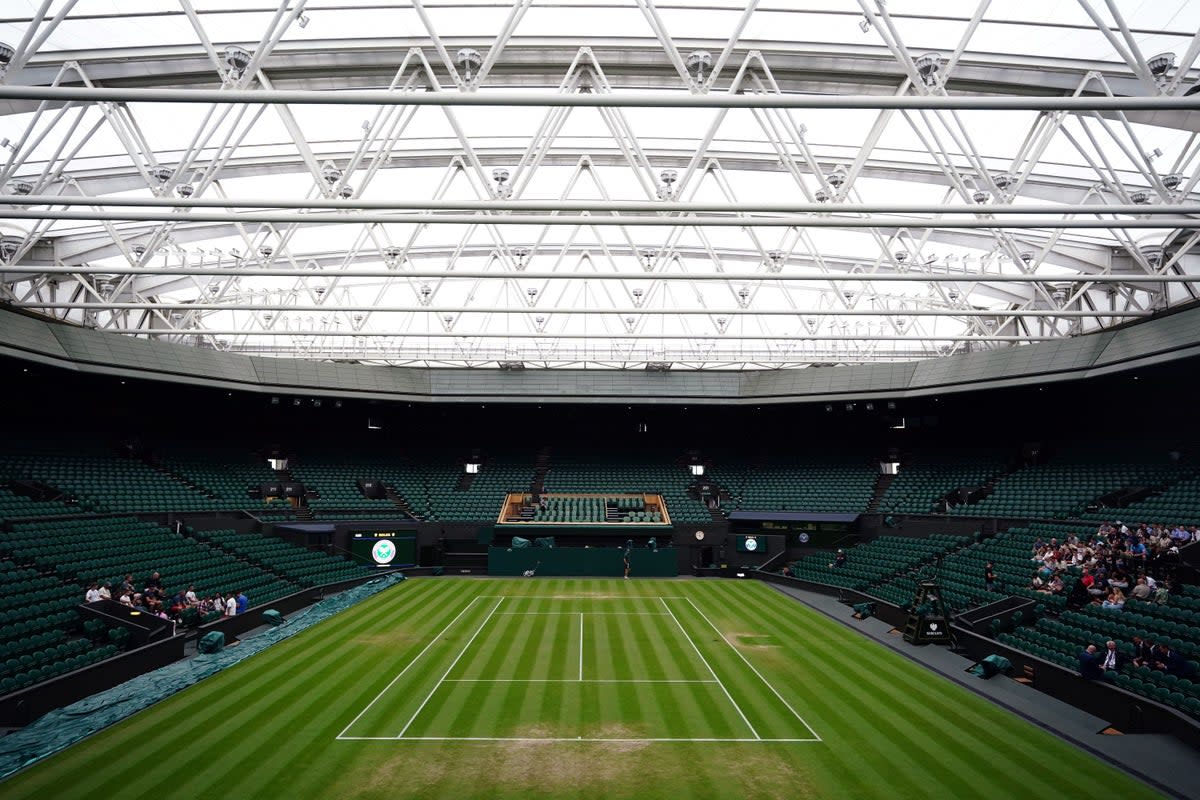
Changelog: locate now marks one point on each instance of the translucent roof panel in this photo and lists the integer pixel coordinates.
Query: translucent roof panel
(613, 237)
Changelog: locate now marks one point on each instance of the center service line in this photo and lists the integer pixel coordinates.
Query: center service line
(406, 668)
(462, 652)
(580, 645)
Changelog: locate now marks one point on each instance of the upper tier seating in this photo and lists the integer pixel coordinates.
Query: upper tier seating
(917, 486)
(832, 484)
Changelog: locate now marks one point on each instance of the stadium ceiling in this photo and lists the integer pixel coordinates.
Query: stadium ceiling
(609, 184)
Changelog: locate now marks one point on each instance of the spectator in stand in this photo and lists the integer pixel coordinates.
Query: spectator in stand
(92, 594)
(1141, 591)
(839, 560)
(127, 585)
(1089, 664)
(189, 597)
(243, 602)
(1170, 661)
(989, 577)
(1118, 579)
(1112, 661)
(231, 606)
(1162, 593)
(139, 604)
(1115, 599)
(1143, 652)
(218, 603)
(106, 591)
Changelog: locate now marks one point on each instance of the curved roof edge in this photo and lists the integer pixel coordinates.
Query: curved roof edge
(1162, 339)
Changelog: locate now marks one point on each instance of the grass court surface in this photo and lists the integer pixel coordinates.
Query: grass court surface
(475, 688)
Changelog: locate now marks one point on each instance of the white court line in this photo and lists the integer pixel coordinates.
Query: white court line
(756, 672)
(710, 669)
(557, 739)
(580, 645)
(401, 672)
(568, 680)
(447, 672)
(589, 613)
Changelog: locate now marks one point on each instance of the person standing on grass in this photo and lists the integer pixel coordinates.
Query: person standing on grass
(628, 553)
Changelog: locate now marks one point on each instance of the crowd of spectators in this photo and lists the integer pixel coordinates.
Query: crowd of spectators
(1116, 563)
(153, 598)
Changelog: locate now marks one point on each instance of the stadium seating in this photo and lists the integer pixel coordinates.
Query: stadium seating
(829, 484)
(1065, 488)
(917, 486)
(285, 559)
(875, 562)
(603, 473)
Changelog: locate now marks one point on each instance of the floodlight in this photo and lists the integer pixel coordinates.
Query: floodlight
(236, 59)
(1172, 181)
(20, 187)
(1141, 198)
(330, 173)
(1160, 63)
(981, 196)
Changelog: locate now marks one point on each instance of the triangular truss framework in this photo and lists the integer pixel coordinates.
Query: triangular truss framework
(613, 292)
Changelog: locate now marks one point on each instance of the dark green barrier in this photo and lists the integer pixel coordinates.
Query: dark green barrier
(590, 561)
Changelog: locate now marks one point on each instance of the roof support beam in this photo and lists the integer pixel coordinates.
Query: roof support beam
(825, 220)
(366, 97)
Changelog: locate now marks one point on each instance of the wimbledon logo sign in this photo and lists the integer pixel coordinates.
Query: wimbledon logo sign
(383, 552)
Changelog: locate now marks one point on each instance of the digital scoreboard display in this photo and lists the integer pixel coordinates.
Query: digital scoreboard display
(384, 548)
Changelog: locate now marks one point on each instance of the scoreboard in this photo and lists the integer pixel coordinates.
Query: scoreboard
(384, 548)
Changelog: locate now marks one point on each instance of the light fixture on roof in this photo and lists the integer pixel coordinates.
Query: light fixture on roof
(425, 292)
(214, 288)
(392, 256)
(265, 251)
(139, 250)
(953, 295)
(303, 20)
(822, 196)
(837, 177)
(532, 293)
(9, 245)
(7, 54)
(330, 173)
(185, 190)
(320, 291)
(630, 322)
(20, 187)
(637, 297)
(928, 66)
(1026, 256)
(358, 319)
(648, 255)
(699, 62)
(1003, 180)
(522, 256)
(981, 196)
(161, 174)
(448, 319)
(1140, 197)
(1160, 63)
(539, 322)
(266, 317)
(1059, 294)
(667, 190)
(849, 295)
(901, 324)
(775, 259)
(1154, 256)
(1172, 181)
(236, 60)
(469, 61)
(346, 192)
(500, 176)
(743, 296)
(721, 323)
(901, 256)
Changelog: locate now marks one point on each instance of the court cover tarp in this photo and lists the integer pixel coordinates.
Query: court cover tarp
(60, 729)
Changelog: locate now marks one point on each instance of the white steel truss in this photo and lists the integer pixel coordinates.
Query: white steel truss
(730, 200)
